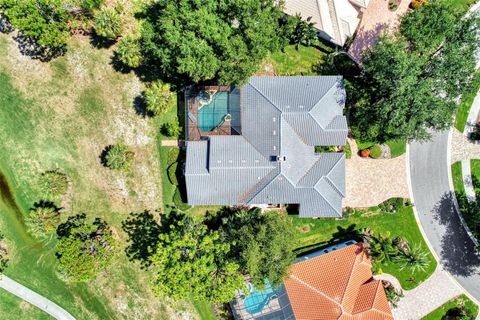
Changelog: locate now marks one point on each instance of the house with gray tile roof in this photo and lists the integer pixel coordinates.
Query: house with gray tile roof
(262, 150)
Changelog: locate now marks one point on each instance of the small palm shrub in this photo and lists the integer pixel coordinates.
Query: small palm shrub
(128, 52)
(375, 151)
(53, 184)
(108, 24)
(393, 296)
(43, 220)
(158, 97)
(119, 157)
(392, 205)
(348, 151)
(171, 129)
(381, 247)
(415, 259)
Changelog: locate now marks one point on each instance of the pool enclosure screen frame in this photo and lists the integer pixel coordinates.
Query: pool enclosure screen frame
(205, 112)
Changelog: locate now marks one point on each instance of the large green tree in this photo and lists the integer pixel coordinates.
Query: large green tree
(84, 249)
(190, 261)
(204, 39)
(43, 21)
(262, 242)
(411, 80)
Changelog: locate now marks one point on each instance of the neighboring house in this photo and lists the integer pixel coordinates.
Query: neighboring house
(335, 19)
(332, 285)
(255, 144)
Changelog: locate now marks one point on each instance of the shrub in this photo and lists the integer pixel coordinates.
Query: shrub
(365, 153)
(348, 151)
(375, 151)
(475, 135)
(128, 52)
(43, 220)
(178, 201)
(170, 129)
(172, 174)
(90, 5)
(392, 205)
(119, 157)
(53, 184)
(43, 21)
(158, 97)
(417, 3)
(108, 24)
(415, 259)
(3, 254)
(320, 149)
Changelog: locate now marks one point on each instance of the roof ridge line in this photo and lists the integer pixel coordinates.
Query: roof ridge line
(372, 302)
(350, 276)
(317, 103)
(267, 98)
(317, 291)
(321, 195)
(330, 182)
(256, 193)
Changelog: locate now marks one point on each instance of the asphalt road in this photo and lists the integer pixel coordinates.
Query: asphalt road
(429, 170)
(37, 300)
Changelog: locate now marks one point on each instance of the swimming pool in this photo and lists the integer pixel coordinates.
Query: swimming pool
(213, 114)
(257, 300)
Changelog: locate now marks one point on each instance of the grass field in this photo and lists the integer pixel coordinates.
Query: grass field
(440, 312)
(458, 185)
(475, 170)
(12, 308)
(295, 62)
(318, 232)
(466, 103)
(62, 115)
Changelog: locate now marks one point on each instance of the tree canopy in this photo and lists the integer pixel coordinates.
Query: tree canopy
(43, 21)
(412, 79)
(190, 261)
(262, 243)
(202, 40)
(83, 248)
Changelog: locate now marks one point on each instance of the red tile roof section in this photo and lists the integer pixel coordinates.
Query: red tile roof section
(337, 285)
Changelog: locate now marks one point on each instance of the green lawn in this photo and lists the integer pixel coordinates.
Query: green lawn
(397, 147)
(461, 5)
(204, 309)
(458, 185)
(475, 170)
(62, 115)
(294, 62)
(466, 103)
(440, 312)
(314, 233)
(12, 308)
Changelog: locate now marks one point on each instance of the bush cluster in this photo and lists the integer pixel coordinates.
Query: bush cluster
(375, 151)
(119, 157)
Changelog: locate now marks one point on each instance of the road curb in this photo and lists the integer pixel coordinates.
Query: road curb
(419, 224)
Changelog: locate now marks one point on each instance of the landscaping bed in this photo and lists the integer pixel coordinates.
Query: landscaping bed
(317, 233)
(460, 301)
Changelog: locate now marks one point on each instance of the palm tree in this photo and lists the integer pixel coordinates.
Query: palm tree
(415, 259)
(382, 247)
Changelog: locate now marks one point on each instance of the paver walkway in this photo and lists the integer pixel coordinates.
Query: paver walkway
(463, 148)
(375, 19)
(428, 296)
(172, 143)
(372, 181)
(34, 298)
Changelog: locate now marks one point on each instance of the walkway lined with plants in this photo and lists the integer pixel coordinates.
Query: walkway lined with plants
(438, 289)
(34, 298)
(372, 181)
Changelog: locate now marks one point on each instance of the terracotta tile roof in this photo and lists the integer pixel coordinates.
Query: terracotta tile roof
(337, 285)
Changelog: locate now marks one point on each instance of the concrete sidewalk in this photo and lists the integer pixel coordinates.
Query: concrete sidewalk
(34, 298)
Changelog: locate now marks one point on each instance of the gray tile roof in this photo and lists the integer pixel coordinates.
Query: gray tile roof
(273, 161)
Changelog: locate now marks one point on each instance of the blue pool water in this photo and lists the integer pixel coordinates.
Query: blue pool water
(257, 300)
(211, 115)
